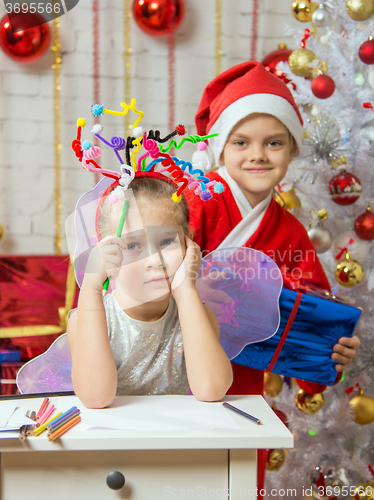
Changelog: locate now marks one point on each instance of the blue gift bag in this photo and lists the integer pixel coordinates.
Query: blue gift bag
(320, 321)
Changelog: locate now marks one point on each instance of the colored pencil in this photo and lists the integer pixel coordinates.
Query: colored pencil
(119, 234)
(30, 430)
(67, 412)
(243, 413)
(59, 432)
(45, 415)
(43, 406)
(23, 432)
(54, 426)
(43, 427)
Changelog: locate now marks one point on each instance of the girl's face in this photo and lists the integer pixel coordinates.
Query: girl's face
(257, 154)
(152, 256)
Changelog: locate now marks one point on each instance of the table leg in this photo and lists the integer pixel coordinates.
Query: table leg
(242, 474)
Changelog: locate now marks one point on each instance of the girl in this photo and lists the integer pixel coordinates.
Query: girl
(152, 335)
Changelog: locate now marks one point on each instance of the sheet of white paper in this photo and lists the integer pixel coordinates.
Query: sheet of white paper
(154, 414)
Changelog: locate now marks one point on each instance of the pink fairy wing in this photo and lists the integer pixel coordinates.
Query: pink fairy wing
(242, 287)
(49, 372)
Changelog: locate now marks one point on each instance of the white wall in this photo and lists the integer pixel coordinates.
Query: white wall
(26, 100)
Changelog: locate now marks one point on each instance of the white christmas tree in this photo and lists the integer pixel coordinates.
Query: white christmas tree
(331, 449)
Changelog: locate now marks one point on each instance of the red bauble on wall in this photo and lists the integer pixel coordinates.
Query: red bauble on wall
(271, 60)
(323, 86)
(158, 17)
(345, 188)
(366, 52)
(364, 225)
(24, 44)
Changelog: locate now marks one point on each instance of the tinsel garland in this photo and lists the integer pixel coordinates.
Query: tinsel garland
(218, 23)
(127, 50)
(56, 66)
(254, 38)
(96, 67)
(171, 84)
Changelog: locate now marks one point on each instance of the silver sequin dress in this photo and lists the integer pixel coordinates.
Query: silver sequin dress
(149, 356)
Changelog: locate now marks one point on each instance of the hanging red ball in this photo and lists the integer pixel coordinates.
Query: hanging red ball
(364, 225)
(345, 188)
(22, 43)
(158, 17)
(281, 416)
(366, 52)
(323, 86)
(271, 60)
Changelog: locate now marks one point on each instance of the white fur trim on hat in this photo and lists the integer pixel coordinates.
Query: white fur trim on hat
(270, 104)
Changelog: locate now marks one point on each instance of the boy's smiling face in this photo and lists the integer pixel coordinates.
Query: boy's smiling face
(257, 154)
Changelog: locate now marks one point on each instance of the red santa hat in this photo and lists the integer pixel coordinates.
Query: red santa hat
(238, 92)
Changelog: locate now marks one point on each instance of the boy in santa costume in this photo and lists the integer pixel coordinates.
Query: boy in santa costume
(260, 131)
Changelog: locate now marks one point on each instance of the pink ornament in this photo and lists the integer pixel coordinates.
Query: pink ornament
(201, 146)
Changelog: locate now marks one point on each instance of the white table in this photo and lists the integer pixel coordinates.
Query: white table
(160, 452)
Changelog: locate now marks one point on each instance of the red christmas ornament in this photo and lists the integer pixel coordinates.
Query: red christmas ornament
(158, 17)
(22, 43)
(345, 188)
(366, 52)
(281, 416)
(364, 225)
(271, 60)
(310, 387)
(323, 86)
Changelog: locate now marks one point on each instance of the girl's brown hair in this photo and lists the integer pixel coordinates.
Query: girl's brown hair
(147, 190)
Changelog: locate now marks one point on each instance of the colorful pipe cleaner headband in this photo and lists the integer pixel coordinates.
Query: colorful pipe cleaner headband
(182, 173)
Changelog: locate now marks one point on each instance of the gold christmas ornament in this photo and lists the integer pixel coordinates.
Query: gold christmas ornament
(364, 408)
(299, 61)
(364, 491)
(288, 199)
(360, 10)
(273, 384)
(276, 459)
(2, 232)
(349, 272)
(308, 403)
(303, 10)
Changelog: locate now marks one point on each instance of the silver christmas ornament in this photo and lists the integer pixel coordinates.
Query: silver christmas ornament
(321, 238)
(321, 16)
(367, 131)
(322, 141)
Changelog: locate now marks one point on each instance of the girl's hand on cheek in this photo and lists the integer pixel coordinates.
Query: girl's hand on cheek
(187, 272)
(104, 261)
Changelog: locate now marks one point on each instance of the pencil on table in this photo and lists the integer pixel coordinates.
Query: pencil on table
(42, 407)
(43, 427)
(23, 432)
(30, 430)
(59, 432)
(46, 414)
(65, 414)
(56, 425)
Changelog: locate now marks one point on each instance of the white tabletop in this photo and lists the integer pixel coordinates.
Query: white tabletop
(160, 422)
